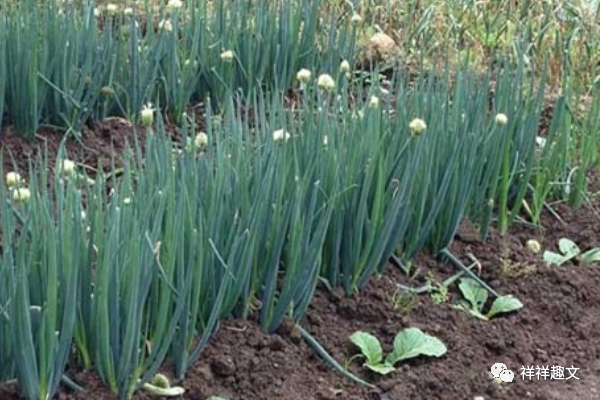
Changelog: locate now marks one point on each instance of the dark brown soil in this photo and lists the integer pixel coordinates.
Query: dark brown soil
(97, 147)
(558, 326)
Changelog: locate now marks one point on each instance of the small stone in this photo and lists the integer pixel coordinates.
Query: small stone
(205, 373)
(223, 366)
(276, 343)
(388, 385)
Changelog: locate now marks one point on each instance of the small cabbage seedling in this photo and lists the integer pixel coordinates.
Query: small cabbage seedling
(568, 251)
(409, 343)
(476, 296)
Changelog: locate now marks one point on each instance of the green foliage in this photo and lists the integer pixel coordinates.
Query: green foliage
(569, 251)
(27, 55)
(66, 64)
(3, 39)
(403, 301)
(409, 343)
(375, 185)
(567, 155)
(373, 353)
(175, 240)
(476, 297)
(277, 200)
(503, 181)
(438, 291)
(413, 342)
(563, 32)
(40, 286)
(586, 150)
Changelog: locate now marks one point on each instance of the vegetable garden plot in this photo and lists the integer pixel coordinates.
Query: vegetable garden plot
(126, 265)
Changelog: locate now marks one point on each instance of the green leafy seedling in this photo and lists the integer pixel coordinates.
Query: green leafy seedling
(403, 301)
(568, 251)
(371, 350)
(439, 291)
(413, 342)
(409, 343)
(476, 297)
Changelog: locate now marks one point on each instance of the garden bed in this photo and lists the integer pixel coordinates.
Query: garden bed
(557, 326)
(297, 169)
